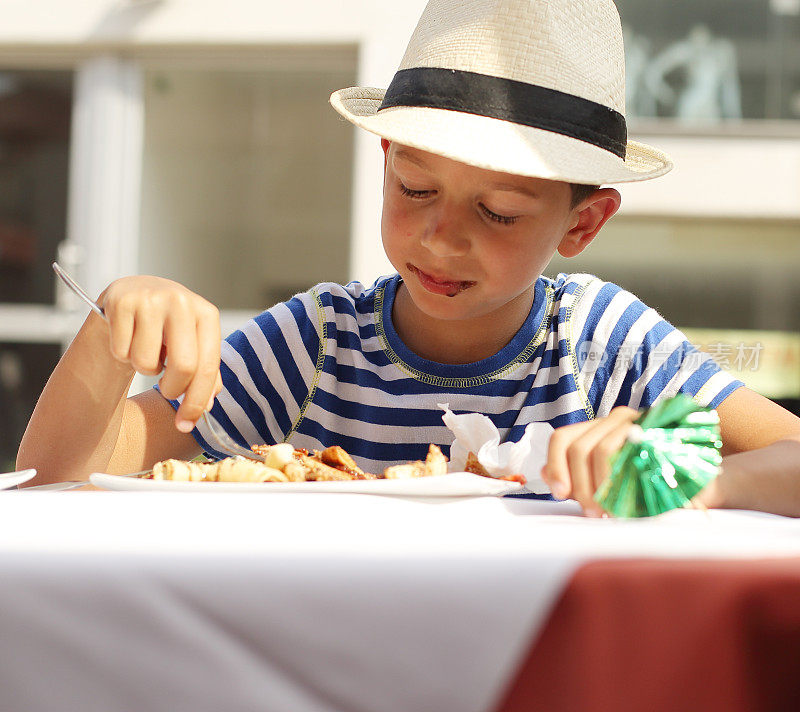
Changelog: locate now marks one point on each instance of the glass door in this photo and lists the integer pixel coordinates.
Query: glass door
(226, 171)
(35, 121)
(70, 172)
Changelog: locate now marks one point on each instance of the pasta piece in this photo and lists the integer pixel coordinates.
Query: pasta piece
(179, 471)
(321, 472)
(435, 464)
(474, 466)
(339, 458)
(406, 471)
(242, 469)
(278, 456)
(295, 472)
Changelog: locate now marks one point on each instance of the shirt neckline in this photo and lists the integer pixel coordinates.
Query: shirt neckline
(517, 351)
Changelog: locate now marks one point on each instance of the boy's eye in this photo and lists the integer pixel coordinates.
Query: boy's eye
(413, 193)
(503, 219)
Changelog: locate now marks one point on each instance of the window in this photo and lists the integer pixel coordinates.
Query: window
(699, 61)
(35, 108)
(247, 178)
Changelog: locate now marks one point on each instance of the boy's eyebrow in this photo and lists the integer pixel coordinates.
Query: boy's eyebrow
(527, 192)
(406, 156)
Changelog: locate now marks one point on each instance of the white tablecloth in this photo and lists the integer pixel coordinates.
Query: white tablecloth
(305, 603)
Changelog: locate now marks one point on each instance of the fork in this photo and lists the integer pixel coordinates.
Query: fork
(227, 443)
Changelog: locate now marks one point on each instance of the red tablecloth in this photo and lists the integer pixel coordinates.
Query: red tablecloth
(667, 635)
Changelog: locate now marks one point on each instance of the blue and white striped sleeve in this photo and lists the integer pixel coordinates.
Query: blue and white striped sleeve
(267, 367)
(628, 354)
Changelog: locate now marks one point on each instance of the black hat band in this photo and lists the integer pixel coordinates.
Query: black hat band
(509, 100)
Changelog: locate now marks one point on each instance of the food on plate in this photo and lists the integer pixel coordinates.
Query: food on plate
(435, 464)
(331, 464)
(473, 465)
(231, 469)
(284, 463)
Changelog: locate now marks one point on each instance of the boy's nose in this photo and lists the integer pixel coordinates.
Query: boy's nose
(445, 236)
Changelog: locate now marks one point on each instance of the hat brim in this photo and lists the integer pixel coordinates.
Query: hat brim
(498, 145)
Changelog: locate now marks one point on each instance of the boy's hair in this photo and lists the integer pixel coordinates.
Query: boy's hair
(580, 192)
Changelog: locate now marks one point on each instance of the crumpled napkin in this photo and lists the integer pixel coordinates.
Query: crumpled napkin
(476, 433)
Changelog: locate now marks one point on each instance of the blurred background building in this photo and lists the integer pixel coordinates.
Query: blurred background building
(194, 140)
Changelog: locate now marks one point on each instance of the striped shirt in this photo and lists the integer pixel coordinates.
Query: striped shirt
(327, 368)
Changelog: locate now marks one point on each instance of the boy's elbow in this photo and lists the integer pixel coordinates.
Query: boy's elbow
(24, 460)
(31, 456)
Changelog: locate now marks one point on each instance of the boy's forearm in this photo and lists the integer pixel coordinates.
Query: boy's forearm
(76, 423)
(766, 479)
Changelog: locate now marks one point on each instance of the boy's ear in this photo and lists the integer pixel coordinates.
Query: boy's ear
(589, 216)
(385, 143)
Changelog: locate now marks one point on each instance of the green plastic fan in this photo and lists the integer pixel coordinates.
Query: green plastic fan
(671, 453)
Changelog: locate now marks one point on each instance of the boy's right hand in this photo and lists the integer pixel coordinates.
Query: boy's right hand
(156, 324)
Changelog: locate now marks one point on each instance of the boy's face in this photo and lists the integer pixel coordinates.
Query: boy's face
(468, 241)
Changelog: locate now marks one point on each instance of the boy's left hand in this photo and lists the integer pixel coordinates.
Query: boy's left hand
(578, 458)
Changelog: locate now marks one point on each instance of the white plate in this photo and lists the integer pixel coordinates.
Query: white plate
(456, 484)
(12, 479)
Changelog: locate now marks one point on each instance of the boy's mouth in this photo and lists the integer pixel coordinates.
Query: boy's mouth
(439, 285)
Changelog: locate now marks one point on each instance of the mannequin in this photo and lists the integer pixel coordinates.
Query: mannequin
(710, 91)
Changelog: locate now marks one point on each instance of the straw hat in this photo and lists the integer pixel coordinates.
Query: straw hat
(529, 87)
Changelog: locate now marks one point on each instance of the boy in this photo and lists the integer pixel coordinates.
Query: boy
(502, 119)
